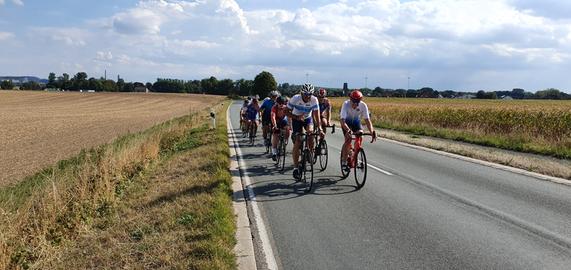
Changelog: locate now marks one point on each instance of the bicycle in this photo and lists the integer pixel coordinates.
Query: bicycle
(281, 154)
(305, 165)
(357, 160)
(268, 139)
(321, 150)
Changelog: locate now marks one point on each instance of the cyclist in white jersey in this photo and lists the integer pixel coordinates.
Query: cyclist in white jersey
(302, 109)
(352, 111)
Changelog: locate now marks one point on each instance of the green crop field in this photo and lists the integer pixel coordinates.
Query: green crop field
(542, 127)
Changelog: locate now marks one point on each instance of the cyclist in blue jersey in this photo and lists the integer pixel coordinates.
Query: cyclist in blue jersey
(266, 110)
(252, 112)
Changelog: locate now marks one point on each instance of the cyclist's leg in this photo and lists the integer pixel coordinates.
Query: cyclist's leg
(347, 144)
(308, 125)
(297, 129)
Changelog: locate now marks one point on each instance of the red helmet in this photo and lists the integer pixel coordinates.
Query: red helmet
(322, 92)
(356, 95)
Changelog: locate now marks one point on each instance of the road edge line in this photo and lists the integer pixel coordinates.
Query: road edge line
(524, 172)
(535, 175)
(244, 248)
(241, 183)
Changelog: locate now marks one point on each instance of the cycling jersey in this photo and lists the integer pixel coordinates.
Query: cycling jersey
(252, 112)
(324, 106)
(300, 107)
(279, 112)
(266, 109)
(353, 116)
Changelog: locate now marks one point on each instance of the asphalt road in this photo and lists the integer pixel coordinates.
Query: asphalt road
(418, 210)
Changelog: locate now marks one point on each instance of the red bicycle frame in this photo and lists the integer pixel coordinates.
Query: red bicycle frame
(354, 147)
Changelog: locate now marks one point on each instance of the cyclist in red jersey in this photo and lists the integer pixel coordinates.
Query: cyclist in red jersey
(279, 121)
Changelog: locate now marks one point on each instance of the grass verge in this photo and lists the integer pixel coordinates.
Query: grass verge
(156, 199)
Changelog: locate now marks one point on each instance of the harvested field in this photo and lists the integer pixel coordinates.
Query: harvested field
(41, 128)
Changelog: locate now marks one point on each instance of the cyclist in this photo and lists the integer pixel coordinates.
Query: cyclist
(302, 108)
(279, 122)
(324, 108)
(351, 112)
(252, 112)
(243, 120)
(266, 110)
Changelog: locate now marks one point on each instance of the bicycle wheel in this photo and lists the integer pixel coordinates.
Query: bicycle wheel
(252, 134)
(345, 170)
(361, 169)
(308, 170)
(279, 153)
(284, 152)
(323, 155)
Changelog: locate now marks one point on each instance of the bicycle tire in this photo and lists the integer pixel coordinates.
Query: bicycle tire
(284, 153)
(360, 170)
(308, 169)
(344, 170)
(323, 155)
(252, 135)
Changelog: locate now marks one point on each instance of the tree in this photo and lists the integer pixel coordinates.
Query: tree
(63, 82)
(120, 85)
(149, 86)
(245, 87)
(550, 93)
(31, 85)
(51, 80)
(264, 83)
(224, 87)
(6, 85)
(518, 93)
(109, 86)
(481, 94)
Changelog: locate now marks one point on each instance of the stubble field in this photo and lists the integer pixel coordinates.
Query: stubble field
(38, 129)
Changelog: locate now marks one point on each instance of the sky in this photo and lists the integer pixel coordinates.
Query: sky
(463, 45)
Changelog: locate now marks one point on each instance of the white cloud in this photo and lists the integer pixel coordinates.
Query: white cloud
(341, 40)
(6, 36)
(16, 2)
(73, 36)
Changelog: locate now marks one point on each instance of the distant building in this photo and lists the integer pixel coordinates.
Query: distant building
(506, 97)
(140, 87)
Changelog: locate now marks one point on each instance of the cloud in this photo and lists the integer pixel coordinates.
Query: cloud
(6, 36)
(336, 40)
(72, 36)
(16, 2)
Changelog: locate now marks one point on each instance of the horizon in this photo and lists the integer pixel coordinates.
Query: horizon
(446, 45)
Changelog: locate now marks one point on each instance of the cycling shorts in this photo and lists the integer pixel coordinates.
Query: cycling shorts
(282, 123)
(298, 125)
(354, 125)
(266, 120)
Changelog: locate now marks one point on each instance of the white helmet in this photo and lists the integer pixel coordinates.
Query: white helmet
(274, 93)
(307, 89)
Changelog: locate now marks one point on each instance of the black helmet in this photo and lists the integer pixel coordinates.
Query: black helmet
(281, 100)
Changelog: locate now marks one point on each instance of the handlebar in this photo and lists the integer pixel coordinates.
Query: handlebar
(361, 134)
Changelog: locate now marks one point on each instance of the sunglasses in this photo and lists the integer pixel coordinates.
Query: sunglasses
(356, 101)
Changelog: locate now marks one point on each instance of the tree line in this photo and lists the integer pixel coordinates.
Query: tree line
(262, 84)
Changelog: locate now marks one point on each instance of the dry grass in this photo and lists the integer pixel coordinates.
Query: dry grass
(41, 128)
(116, 206)
(542, 127)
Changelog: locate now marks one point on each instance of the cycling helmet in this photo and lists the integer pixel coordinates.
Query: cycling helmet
(281, 100)
(274, 93)
(307, 89)
(322, 92)
(255, 101)
(356, 95)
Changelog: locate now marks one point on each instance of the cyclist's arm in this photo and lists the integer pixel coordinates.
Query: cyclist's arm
(273, 116)
(316, 116)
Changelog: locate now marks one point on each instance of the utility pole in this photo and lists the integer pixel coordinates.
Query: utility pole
(366, 78)
(106, 74)
(306, 77)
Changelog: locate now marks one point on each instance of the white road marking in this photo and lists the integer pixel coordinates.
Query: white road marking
(264, 237)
